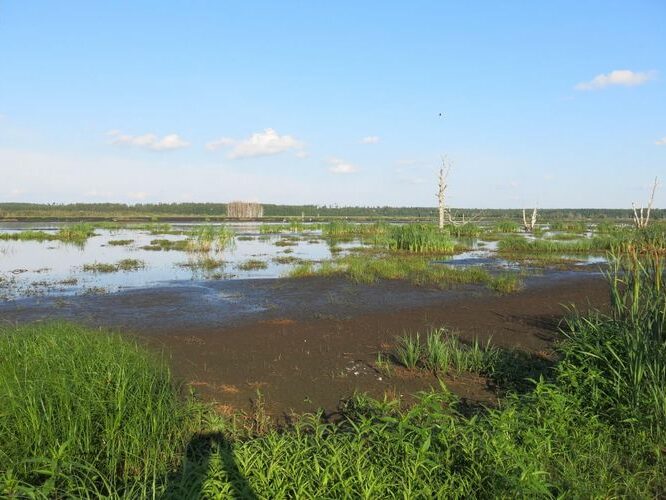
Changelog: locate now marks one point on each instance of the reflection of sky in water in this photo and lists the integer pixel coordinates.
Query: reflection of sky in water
(30, 267)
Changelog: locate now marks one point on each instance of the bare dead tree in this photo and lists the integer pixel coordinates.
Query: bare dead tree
(441, 194)
(642, 219)
(445, 216)
(530, 226)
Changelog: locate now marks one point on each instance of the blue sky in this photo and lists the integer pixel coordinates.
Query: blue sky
(562, 104)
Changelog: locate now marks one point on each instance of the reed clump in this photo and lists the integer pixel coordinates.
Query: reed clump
(84, 413)
(421, 238)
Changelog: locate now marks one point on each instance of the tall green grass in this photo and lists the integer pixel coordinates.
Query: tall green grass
(628, 346)
(421, 238)
(208, 237)
(84, 413)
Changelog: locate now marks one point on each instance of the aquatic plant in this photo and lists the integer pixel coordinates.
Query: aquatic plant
(421, 238)
(207, 237)
(76, 234)
(120, 243)
(577, 226)
(252, 264)
(507, 226)
(122, 265)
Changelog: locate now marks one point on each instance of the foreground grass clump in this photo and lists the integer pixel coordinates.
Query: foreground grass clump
(84, 413)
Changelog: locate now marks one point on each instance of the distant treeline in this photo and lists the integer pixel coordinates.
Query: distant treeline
(219, 210)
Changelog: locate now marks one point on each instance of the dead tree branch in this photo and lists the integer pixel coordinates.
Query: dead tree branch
(530, 226)
(642, 219)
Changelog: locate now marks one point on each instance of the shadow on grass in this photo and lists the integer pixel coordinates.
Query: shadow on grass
(209, 463)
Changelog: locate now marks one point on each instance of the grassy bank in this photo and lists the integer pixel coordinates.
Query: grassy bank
(87, 413)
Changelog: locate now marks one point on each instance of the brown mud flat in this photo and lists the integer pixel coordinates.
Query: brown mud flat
(304, 364)
(306, 344)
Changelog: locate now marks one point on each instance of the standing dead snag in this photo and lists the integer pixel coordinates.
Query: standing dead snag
(641, 219)
(530, 225)
(441, 194)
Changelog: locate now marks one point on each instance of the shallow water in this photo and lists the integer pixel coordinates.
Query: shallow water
(53, 267)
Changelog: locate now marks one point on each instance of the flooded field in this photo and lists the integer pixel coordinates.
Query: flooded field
(113, 259)
(30, 268)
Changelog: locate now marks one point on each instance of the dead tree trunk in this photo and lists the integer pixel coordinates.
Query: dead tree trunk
(530, 225)
(441, 194)
(641, 219)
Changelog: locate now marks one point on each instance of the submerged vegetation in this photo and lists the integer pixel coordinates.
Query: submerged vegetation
(122, 265)
(87, 413)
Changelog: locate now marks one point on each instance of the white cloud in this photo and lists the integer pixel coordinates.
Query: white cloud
(265, 143)
(661, 142)
(302, 154)
(370, 139)
(623, 77)
(148, 141)
(339, 166)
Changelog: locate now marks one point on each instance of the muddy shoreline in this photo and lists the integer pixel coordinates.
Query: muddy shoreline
(307, 343)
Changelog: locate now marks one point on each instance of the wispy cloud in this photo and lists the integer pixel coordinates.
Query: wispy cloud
(265, 143)
(621, 77)
(338, 166)
(370, 139)
(148, 141)
(661, 142)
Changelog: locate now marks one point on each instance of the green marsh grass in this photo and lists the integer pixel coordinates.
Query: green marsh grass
(568, 226)
(507, 226)
(421, 238)
(87, 414)
(252, 265)
(84, 413)
(408, 350)
(122, 265)
(167, 245)
(120, 243)
(208, 237)
(75, 234)
(419, 270)
(516, 244)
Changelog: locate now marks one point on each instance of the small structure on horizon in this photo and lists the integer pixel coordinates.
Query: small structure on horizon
(244, 210)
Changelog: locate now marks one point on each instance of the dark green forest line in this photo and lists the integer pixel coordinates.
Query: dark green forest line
(164, 211)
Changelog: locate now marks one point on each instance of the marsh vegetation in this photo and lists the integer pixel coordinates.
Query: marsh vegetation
(589, 422)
